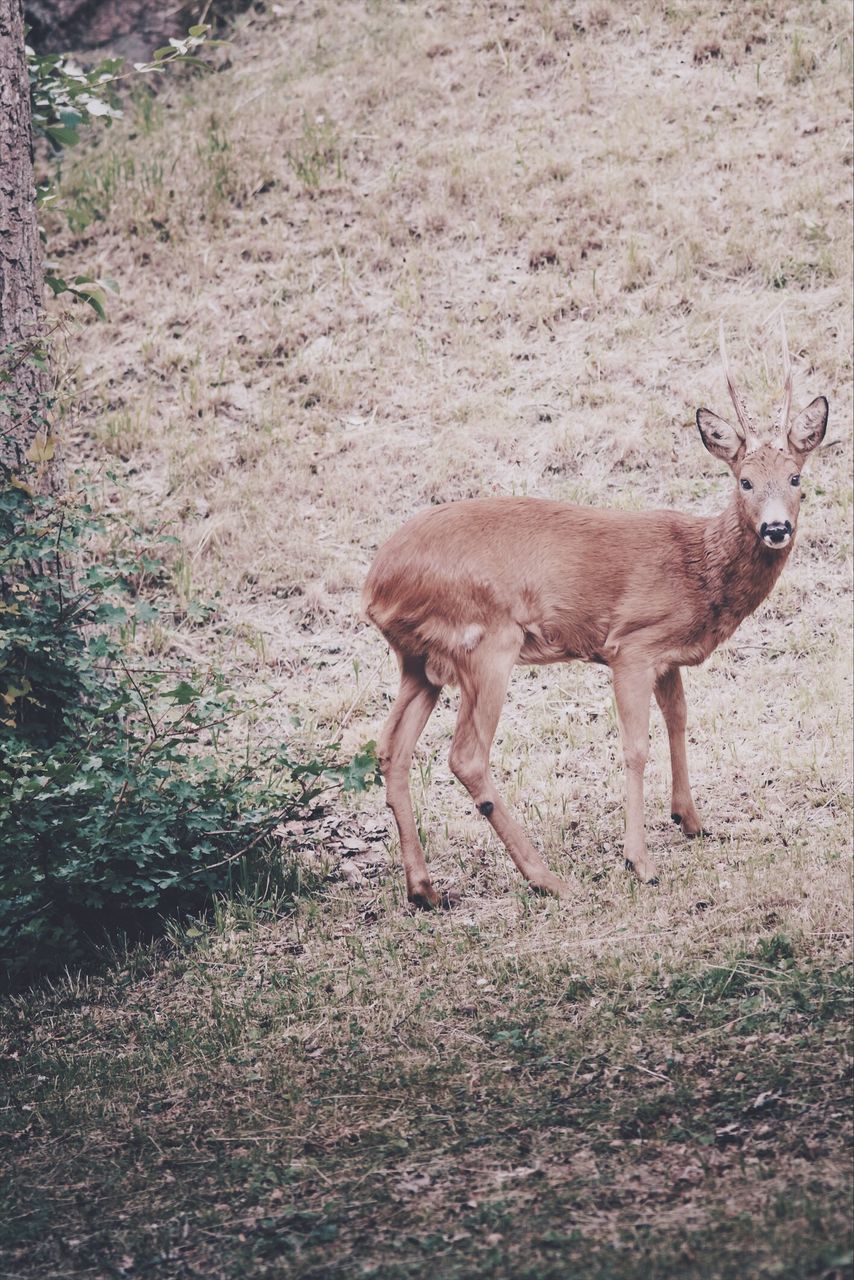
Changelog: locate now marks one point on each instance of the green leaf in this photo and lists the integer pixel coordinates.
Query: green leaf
(146, 612)
(183, 694)
(62, 135)
(107, 612)
(93, 296)
(13, 691)
(363, 771)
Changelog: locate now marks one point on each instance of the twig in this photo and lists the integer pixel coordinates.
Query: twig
(725, 1026)
(141, 698)
(59, 574)
(655, 1074)
(358, 698)
(269, 825)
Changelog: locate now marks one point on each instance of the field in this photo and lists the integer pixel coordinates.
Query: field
(391, 255)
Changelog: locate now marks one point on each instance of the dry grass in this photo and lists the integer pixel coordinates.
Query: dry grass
(390, 256)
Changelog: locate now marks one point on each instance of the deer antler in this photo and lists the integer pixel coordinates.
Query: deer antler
(781, 427)
(748, 431)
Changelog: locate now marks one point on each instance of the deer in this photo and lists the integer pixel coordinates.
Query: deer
(465, 591)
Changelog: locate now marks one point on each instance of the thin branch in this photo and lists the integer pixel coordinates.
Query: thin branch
(57, 562)
(139, 694)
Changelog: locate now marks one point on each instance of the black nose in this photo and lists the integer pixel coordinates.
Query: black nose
(776, 531)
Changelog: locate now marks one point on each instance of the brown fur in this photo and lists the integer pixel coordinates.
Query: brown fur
(465, 591)
(667, 588)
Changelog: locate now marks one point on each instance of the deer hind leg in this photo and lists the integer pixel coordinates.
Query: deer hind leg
(633, 691)
(670, 697)
(411, 710)
(483, 685)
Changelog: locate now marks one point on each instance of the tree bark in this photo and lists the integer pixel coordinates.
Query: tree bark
(23, 381)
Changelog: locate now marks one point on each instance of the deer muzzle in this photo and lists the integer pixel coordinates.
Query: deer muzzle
(776, 533)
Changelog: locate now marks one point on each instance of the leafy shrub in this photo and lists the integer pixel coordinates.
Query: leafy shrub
(120, 795)
(64, 98)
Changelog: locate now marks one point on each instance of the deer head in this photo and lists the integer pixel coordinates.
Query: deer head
(767, 467)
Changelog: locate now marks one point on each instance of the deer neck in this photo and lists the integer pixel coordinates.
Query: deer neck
(739, 569)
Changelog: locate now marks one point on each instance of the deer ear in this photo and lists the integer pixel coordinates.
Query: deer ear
(721, 440)
(809, 427)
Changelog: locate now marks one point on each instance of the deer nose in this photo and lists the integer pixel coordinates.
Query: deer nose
(776, 532)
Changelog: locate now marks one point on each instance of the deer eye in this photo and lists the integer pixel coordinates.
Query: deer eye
(745, 484)
(795, 480)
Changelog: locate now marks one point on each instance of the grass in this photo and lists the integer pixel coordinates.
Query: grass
(476, 1095)
(386, 257)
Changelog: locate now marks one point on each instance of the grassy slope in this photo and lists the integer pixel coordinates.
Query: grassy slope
(389, 257)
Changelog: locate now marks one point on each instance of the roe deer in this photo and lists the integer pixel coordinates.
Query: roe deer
(464, 592)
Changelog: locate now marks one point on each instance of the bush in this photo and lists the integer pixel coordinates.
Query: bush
(120, 798)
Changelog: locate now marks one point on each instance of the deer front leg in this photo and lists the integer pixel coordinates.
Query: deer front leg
(670, 696)
(633, 691)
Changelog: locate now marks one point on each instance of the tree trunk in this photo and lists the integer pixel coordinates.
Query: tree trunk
(24, 431)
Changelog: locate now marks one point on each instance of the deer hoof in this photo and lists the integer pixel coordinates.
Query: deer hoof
(551, 886)
(690, 827)
(425, 899)
(645, 872)
(429, 900)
